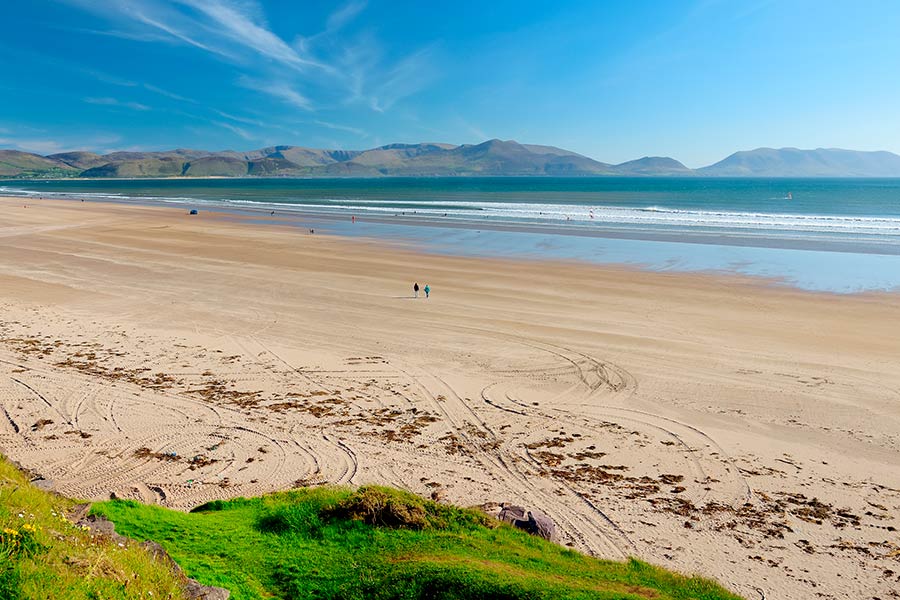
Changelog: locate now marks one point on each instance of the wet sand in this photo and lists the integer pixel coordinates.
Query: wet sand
(710, 424)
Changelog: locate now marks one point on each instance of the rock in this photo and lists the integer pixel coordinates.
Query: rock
(192, 588)
(511, 514)
(533, 521)
(79, 512)
(159, 553)
(102, 527)
(46, 485)
(542, 525)
(197, 591)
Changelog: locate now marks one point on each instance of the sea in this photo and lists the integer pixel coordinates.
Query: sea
(830, 235)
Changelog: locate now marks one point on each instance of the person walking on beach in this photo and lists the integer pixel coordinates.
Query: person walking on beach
(427, 290)
(416, 289)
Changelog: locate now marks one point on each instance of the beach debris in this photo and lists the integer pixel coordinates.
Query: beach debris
(193, 211)
(82, 434)
(41, 423)
(195, 462)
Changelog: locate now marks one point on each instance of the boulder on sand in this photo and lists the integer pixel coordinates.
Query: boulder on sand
(533, 521)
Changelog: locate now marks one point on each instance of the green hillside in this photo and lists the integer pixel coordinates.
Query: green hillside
(216, 166)
(80, 160)
(44, 556)
(143, 167)
(24, 164)
(383, 544)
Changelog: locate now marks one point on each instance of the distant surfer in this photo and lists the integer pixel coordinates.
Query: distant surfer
(789, 196)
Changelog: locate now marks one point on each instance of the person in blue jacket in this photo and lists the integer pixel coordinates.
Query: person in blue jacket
(427, 290)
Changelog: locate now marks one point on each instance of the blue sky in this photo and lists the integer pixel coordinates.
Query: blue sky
(612, 80)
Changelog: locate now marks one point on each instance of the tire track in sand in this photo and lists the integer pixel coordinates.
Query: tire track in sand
(502, 466)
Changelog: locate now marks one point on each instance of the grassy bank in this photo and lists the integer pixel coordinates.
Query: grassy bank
(384, 544)
(44, 556)
(313, 543)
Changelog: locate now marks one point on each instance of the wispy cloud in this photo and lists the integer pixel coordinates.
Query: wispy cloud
(137, 36)
(122, 82)
(279, 89)
(175, 32)
(47, 146)
(476, 131)
(339, 127)
(336, 21)
(239, 25)
(35, 146)
(405, 79)
(238, 119)
(339, 66)
(106, 101)
(166, 93)
(237, 130)
(104, 77)
(226, 28)
(345, 14)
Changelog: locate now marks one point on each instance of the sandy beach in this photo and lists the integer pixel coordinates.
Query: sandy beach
(710, 424)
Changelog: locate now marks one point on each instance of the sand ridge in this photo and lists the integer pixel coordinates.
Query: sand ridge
(710, 424)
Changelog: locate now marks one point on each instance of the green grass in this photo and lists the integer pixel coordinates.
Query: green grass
(44, 556)
(319, 543)
(384, 544)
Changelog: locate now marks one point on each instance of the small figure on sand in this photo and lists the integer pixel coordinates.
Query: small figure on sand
(416, 290)
(427, 290)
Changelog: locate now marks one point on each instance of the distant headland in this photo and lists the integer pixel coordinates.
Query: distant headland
(489, 159)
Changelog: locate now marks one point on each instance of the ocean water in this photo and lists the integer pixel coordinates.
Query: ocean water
(839, 235)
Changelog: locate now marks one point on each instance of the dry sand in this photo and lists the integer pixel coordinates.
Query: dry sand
(713, 425)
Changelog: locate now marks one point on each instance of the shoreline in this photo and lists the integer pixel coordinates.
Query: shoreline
(329, 226)
(776, 260)
(526, 176)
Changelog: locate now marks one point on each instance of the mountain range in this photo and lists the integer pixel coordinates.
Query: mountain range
(490, 158)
